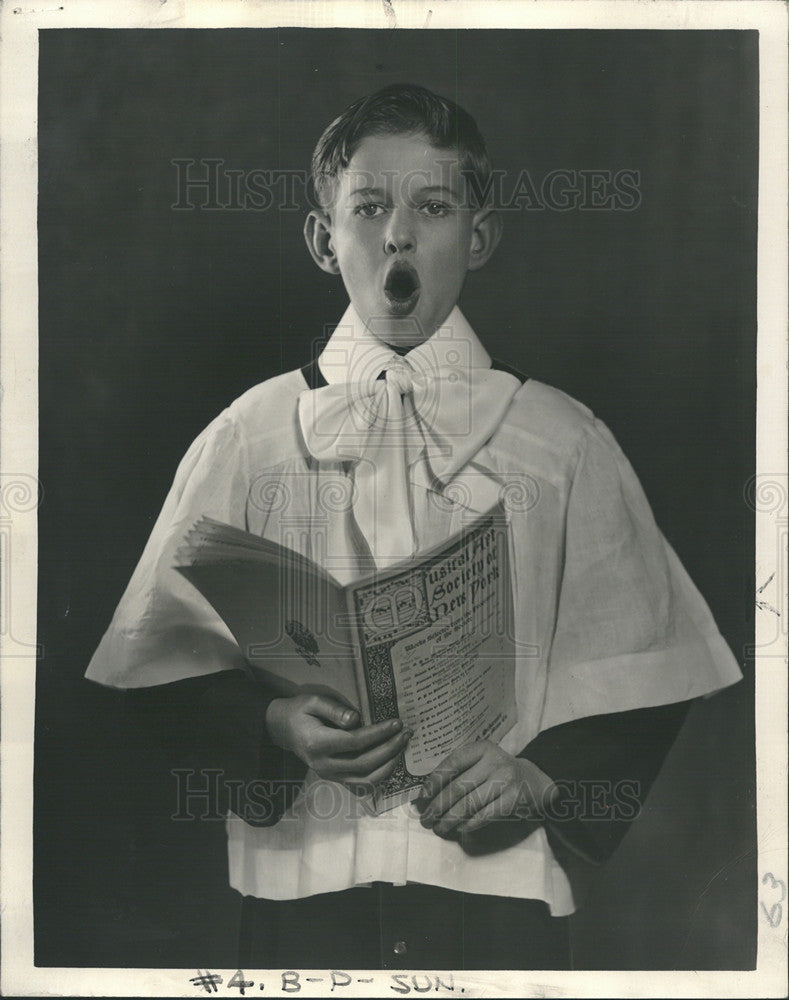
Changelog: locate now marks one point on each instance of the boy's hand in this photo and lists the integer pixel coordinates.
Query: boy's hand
(326, 734)
(480, 783)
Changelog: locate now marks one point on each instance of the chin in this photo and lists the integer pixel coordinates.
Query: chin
(400, 331)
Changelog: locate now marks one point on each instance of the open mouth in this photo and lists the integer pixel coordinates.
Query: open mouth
(401, 288)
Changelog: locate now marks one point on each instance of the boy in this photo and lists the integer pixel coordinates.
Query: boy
(377, 450)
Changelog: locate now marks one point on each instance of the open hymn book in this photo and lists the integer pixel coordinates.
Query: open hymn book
(429, 641)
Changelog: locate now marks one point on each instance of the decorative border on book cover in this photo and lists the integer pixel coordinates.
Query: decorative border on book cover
(402, 608)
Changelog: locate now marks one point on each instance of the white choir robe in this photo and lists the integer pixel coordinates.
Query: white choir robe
(606, 617)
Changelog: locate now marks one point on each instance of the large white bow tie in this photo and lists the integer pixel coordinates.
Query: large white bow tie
(385, 425)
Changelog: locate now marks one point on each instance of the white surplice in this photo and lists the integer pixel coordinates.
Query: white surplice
(606, 617)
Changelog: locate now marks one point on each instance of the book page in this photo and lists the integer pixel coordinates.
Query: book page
(285, 620)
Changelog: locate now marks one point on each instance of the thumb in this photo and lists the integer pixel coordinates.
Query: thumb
(334, 712)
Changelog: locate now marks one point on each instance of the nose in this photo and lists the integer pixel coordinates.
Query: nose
(399, 236)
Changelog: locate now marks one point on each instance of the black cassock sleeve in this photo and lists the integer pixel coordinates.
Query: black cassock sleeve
(218, 723)
(604, 765)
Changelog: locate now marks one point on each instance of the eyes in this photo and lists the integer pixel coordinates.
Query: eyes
(432, 209)
(369, 210)
(435, 209)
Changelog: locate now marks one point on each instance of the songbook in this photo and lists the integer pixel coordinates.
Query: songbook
(429, 640)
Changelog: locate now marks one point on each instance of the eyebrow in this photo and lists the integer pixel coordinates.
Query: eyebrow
(433, 189)
(373, 191)
(439, 189)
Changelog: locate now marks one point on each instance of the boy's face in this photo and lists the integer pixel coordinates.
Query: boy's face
(401, 236)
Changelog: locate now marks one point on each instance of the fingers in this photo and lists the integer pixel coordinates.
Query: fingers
(361, 785)
(364, 765)
(500, 807)
(456, 763)
(458, 788)
(333, 712)
(358, 741)
(464, 808)
(472, 786)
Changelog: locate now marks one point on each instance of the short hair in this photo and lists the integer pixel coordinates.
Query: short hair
(398, 109)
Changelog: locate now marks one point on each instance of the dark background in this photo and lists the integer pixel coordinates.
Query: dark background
(152, 320)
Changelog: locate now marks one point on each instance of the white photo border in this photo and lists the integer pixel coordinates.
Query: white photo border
(20, 21)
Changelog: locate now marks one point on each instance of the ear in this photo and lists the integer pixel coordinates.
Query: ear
(317, 235)
(485, 237)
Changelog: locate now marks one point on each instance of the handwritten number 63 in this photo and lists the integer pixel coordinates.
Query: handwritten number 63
(775, 913)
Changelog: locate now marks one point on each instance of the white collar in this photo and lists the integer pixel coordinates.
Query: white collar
(354, 354)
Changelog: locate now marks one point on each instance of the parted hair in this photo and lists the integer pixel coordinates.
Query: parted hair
(398, 109)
